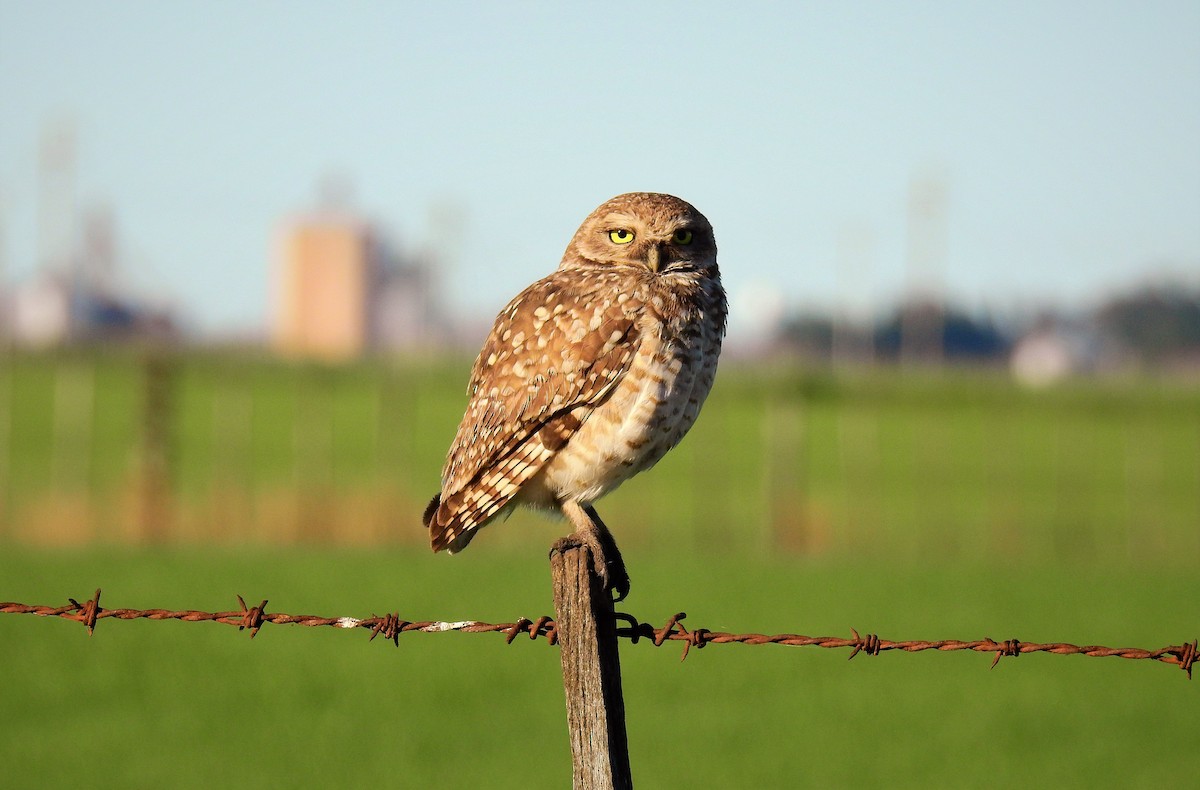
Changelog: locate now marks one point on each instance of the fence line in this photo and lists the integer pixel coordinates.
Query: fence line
(391, 626)
(193, 446)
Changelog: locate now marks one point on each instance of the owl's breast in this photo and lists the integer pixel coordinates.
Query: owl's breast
(647, 414)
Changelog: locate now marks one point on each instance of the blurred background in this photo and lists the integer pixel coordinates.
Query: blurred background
(248, 251)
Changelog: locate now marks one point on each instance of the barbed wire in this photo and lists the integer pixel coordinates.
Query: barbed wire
(391, 626)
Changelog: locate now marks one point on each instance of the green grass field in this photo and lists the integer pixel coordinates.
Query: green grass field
(145, 704)
(962, 466)
(949, 505)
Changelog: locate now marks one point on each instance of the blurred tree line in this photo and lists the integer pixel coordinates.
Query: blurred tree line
(1160, 324)
(1153, 325)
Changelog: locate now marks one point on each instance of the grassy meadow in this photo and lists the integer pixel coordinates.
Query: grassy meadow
(144, 704)
(219, 450)
(936, 506)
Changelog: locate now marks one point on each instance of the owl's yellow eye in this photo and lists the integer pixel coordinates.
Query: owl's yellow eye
(620, 236)
(682, 237)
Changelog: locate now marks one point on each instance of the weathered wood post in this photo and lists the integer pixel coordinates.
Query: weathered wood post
(587, 638)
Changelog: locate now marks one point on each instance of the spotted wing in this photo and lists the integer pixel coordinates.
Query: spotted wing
(554, 354)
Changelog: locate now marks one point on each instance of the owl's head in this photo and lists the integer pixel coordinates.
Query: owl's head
(660, 233)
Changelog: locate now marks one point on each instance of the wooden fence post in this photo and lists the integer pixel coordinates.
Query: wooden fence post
(587, 638)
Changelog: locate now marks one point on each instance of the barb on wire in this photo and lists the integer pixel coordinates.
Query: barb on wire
(391, 626)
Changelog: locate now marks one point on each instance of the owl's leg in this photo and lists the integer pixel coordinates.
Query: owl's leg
(606, 558)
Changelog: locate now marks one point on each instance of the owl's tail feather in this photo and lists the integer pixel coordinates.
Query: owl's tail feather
(452, 526)
(445, 532)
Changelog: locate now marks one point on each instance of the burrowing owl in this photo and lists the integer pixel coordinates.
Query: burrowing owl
(589, 376)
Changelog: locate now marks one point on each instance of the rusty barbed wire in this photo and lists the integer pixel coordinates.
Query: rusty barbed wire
(391, 626)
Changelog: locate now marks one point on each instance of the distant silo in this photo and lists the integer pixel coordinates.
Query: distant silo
(324, 276)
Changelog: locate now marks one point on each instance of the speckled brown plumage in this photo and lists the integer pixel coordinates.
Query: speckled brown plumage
(589, 375)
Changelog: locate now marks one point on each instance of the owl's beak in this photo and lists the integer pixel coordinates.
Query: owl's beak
(653, 257)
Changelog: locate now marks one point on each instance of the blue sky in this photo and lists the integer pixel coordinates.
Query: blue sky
(1063, 134)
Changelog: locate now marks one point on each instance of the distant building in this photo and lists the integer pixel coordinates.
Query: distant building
(1045, 356)
(325, 271)
(340, 291)
(1056, 348)
(80, 300)
(41, 311)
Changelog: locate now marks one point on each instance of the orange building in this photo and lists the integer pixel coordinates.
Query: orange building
(325, 274)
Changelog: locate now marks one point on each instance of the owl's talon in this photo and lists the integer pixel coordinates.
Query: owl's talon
(618, 583)
(606, 560)
(610, 568)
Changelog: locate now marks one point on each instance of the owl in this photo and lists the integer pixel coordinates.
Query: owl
(589, 376)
